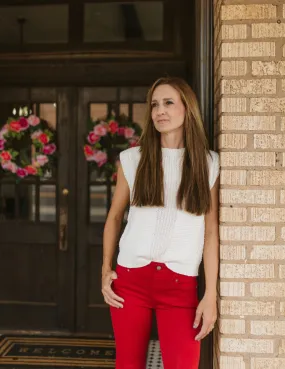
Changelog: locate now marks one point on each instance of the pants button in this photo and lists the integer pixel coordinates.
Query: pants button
(158, 267)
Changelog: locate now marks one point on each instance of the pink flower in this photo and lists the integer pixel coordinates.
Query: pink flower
(21, 172)
(5, 156)
(100, 130)
(100, 157)
(31, 170)
(49, 149)
(41, 160)
(129, 132)
(121, 131)
(3, 131)
(113, 126)
(23, 123)
(101, 163)
(2, 144)
(8, 165)
(36, 134)
(92, 138)
(33, 120)
(90, 157)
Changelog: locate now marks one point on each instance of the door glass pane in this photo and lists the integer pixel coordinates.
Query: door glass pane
(48, 203)
(34, 24)
(100, 190)
(98, 111)
(32, 198)
(98, 203)
(139, 111)
(123, 21)
(48, 113)
(16, 201)
(124, 109)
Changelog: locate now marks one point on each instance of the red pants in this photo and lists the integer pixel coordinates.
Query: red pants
(174, 298)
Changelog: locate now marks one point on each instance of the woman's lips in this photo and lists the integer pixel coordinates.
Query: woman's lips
(162, 121)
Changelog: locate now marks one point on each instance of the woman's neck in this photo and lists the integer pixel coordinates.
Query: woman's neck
(172, 144)
(172, 140)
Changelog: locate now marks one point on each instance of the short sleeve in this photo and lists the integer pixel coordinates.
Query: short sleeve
(129, 161)
(125, 163)
(214, 168)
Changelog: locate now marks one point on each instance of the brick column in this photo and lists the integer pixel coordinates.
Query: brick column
(250, 131)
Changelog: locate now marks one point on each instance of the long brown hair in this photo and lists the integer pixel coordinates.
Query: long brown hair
(193, 195)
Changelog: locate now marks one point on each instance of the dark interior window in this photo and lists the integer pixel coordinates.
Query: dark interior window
(84, 25)
(34, 24)
(122, 21)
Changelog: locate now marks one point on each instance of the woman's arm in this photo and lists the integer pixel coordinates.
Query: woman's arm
(211, 245)
(207, 309)
(110, 237)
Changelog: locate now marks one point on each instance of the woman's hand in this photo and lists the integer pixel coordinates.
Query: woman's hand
(207, 310)
(109, 295)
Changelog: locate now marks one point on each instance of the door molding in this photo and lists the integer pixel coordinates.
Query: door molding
(204, 62)
(203, 78)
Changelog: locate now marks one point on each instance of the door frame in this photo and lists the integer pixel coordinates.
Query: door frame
(204, 83)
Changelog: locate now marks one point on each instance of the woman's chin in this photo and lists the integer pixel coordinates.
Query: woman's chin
(163, 129)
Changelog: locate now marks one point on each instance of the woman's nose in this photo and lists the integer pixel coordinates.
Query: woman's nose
(160, 109)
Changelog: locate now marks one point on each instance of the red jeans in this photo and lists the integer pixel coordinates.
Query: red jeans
(174, 298)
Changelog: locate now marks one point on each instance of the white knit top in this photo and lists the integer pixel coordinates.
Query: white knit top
(163, 234)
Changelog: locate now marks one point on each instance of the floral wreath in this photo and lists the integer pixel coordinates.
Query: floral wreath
(16, 159)
(106, 139)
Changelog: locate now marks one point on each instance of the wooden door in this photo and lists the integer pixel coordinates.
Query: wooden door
(94, 198)
(36, 266)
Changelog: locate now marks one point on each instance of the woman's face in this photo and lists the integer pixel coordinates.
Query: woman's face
(168, 110)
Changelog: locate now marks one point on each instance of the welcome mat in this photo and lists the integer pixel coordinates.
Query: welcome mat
(21, 352)
(34, 352)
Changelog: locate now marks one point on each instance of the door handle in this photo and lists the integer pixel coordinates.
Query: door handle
(63, 221)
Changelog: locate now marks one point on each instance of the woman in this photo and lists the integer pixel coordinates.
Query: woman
(171, 181)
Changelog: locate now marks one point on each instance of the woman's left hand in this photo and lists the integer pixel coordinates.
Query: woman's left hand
(207, 310)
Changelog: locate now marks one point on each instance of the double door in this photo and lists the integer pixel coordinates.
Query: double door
(51, 228)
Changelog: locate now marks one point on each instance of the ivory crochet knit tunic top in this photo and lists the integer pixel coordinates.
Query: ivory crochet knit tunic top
(163, 234)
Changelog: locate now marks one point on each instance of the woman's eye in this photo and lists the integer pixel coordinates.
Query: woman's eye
(169, 102)
(153, 105)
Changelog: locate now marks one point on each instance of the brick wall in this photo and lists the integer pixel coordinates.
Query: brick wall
(250, 130)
